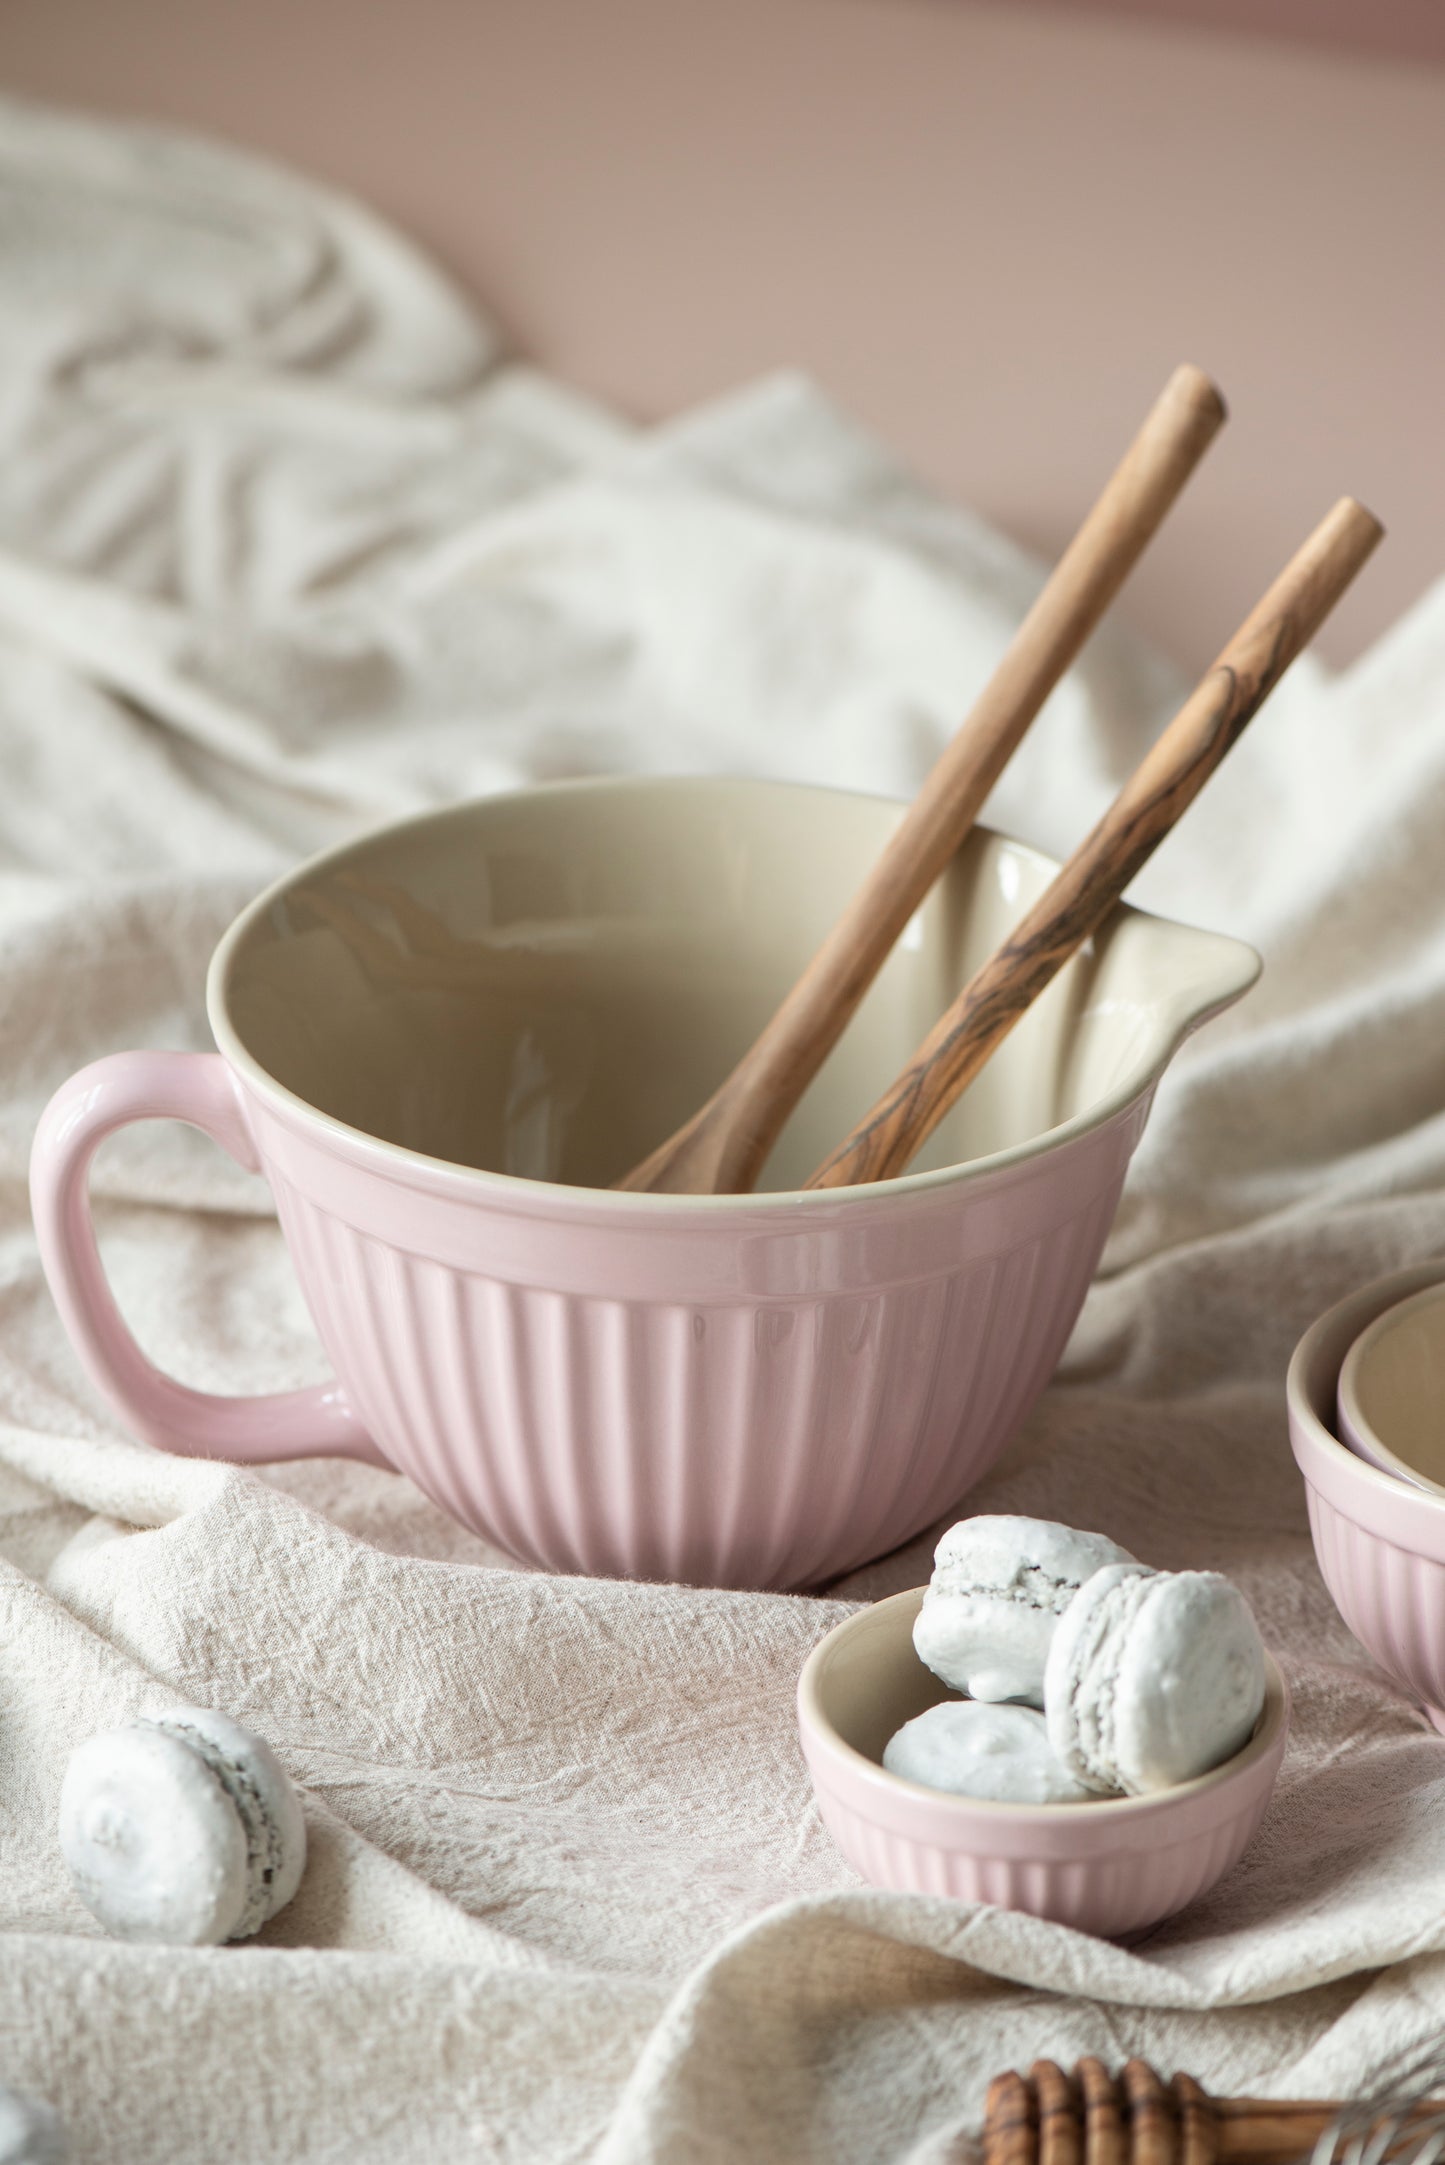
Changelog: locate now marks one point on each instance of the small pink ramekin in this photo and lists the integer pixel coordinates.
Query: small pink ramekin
(1380, 1543)
(1114, 1868)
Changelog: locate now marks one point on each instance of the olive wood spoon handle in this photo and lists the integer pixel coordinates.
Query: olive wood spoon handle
(723, 1147)
(1081, 895)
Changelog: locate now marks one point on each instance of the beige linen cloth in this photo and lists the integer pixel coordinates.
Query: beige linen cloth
(287, 545)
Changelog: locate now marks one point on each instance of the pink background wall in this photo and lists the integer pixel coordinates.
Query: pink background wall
(989, 230)
(1409, 28)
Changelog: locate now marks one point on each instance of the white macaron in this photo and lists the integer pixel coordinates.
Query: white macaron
(1001, 1753)
(183, 1829)
(1153, 1678)
(999, 1586)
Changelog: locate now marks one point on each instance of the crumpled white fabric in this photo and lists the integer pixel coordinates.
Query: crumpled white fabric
(287, 545)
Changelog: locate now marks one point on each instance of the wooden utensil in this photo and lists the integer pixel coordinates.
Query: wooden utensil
(723, 1147)
(1080, 897)
(1093, 2118)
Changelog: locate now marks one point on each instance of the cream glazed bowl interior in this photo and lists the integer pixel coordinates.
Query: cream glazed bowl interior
(1114, 1867)
(1379, 1540)
(1392, 1391)
(442, 1042)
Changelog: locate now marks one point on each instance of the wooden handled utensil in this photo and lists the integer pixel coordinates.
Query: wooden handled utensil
(1080, 897)
(1092, 2118)
(722, 1148)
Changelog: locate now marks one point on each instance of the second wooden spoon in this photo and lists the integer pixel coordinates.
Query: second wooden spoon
(1086, 888)
(723, 1147)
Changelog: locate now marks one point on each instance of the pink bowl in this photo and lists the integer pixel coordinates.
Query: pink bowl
(1380, 1543)
(443, 1042)
(1113, 1868)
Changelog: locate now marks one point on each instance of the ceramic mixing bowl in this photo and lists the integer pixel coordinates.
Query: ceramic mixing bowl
(1391, 1402)
(1380, 1541)
(1114, 1867)
(442, 1042)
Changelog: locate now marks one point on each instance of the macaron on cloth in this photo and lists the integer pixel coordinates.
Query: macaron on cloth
(183, 1829)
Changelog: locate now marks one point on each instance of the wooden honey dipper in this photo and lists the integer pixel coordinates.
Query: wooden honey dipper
(1094, 2118)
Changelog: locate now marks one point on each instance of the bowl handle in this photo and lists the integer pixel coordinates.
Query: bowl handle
(197, 1088)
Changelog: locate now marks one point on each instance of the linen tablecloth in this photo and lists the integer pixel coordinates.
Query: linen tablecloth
(288, 545)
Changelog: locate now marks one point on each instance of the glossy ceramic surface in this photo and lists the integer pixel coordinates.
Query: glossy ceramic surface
(1380, 1542)
(1391, 1401)
(1113, 1868)
(440, 1043)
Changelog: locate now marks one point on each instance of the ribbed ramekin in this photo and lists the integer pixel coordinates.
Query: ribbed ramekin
(1113, 1868)
(1380, 1542)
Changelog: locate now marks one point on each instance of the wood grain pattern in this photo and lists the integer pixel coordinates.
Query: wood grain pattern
(723, 1147)
(1260, 2131)
(1090, 2117)
(1153, 2128)
(1056, 2113)
(1198, 2141)
(1106, 2138)
(1087, 887)
(1010, 2129)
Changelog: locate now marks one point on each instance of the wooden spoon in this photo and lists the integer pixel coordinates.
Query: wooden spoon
(1080, 897)
(723, 1147)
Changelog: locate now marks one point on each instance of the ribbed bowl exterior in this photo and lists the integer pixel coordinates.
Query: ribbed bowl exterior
(753, 1390)
(1379, 1541)
(1392, 1599)
(1113, 1893)
(762, 1396)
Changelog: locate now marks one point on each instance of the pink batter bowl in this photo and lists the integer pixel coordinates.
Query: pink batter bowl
(1379, 1541)
(442, 1042)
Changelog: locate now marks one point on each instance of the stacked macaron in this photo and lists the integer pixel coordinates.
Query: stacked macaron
(1086, 1673)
